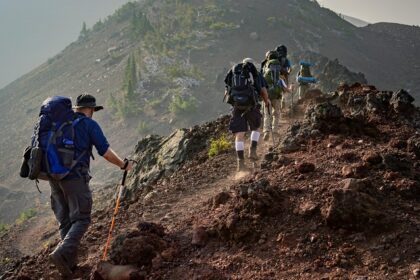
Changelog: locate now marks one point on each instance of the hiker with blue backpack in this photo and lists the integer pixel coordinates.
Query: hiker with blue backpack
(304, 78)
(277, 87)
(244, 88)
(60, 152)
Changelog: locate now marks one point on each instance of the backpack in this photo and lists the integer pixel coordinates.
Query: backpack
(272, 74)
(284, 65)
(52, 151)
(242, 93)
(305, 75)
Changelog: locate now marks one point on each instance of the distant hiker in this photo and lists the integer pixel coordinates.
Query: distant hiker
(64, 139)
(244, 87)
(304, 78)
(286, 68)
(276, 87)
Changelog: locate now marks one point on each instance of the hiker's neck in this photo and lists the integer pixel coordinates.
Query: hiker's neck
(88, 112)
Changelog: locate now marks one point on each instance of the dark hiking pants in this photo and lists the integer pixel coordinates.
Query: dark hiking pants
(71, 201)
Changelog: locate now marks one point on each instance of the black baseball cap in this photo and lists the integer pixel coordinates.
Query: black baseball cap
(87, 101)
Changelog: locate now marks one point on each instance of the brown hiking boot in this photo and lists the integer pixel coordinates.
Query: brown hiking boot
(241, 166)
(253, 154)
(60, 263)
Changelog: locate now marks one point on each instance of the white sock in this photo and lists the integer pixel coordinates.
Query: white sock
(255, 136)
(239, 146)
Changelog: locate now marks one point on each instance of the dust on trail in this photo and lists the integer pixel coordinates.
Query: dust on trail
(175, 207)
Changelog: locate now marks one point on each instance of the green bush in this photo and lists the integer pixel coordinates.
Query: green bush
(3, 227)
(222, 26)
(26, 215)
(219, 145)
(271, 21)
(182, 106)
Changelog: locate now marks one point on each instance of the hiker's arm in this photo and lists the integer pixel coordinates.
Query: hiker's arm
(113, 158)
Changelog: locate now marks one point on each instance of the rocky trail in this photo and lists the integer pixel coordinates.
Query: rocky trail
(338, 198)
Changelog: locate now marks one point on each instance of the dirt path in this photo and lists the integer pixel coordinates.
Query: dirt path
(37, 233)
(175, 206)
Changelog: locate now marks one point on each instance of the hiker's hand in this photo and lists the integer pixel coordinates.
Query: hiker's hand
(128, 165)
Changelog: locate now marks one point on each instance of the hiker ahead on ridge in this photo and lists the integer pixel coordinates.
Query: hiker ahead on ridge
(277, 86)
(60, 152)
(244, 87)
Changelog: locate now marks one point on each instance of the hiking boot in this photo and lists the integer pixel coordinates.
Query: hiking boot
(241, 166)
(60, 263)
(253, 154)
(266, 136)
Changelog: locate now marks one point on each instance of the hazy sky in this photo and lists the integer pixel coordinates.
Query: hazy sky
(31, 31)
(402, 11)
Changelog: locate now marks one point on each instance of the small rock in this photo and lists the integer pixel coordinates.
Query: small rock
(148, 198)
(395, 260)
(347, 171)
(220, 199)
(360, 278)
(372, 158)
(200, 236)
(261, 241)
(416, 272)
(417, 240)
(306, 167)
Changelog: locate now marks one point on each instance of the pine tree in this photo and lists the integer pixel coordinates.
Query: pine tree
(84, 32)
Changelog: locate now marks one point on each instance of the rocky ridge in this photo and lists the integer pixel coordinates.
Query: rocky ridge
(343, 203)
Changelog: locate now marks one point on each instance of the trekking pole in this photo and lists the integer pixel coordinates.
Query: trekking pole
(114, 216)
(117, 206)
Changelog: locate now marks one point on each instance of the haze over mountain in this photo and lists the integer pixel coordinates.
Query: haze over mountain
(33, 31)
(355, 21)
(404, 12)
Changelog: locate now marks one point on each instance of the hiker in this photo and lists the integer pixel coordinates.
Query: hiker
(304, 78)
(71, 198)
(244, 87)
(276, 87)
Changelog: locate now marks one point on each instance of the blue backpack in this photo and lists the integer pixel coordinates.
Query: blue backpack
(52, 151)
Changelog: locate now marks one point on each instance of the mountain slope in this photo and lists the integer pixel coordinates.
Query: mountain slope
(181, 51)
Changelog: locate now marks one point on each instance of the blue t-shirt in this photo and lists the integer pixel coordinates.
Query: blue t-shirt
(88, 133)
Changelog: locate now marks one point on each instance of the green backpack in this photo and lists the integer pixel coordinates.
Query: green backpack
(272, 74)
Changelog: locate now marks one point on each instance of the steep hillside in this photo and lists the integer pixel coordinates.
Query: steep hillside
(159, 65)
(336, 199)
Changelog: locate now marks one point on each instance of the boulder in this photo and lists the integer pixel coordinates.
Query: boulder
(354, 210)
(138, 246)
(401, 102)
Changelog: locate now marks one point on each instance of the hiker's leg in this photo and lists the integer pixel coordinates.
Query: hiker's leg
(276, 104)
(238, 126)
(59, 205)
(254, 118)
(267, 122)
(79, 197)
(239, 148)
